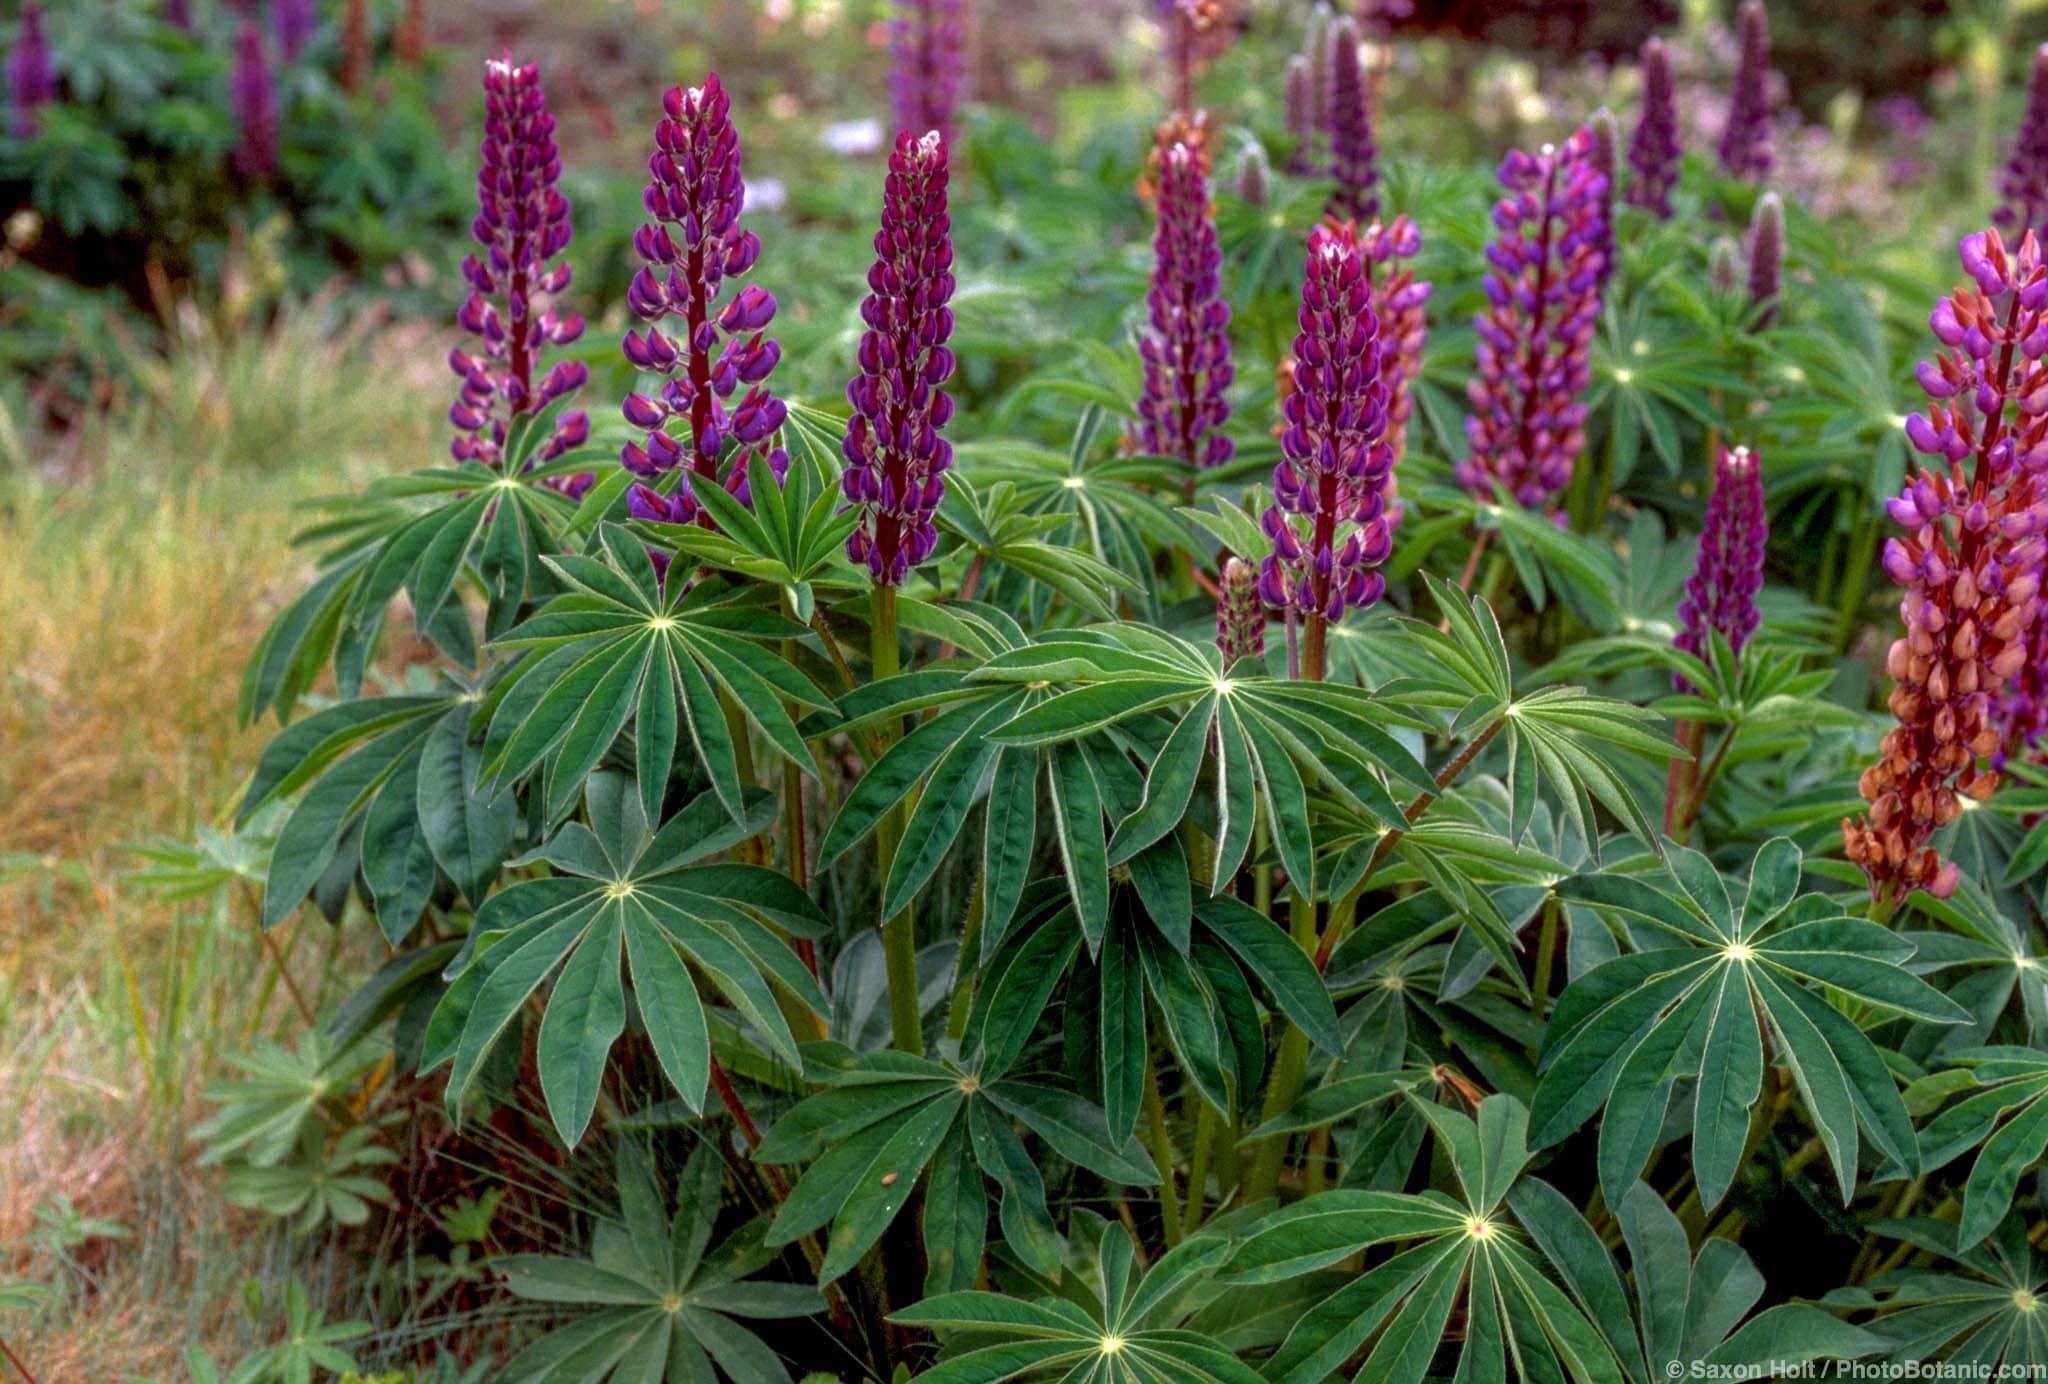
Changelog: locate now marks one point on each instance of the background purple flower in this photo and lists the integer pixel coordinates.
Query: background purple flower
(1186, 344)
(1653, 150)
(1729, 570)
(1543, 301)
(1353, 157)
(1745, 147)
(522, 224)
(293, 24)
(1328, 520)
(31, 73)
(928, 61)
(895, 452)
(2023, 185)
(252, 94)
(1766, 256)
(692, 246)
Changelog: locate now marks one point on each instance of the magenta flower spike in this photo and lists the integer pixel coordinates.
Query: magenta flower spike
(1606, 138)
(1328, 521)
(31, 73)
(521, 228)
(1729, 570)
(1240, 615)
(2023, 184)
(1766, 257)
(1969, 565)
(1186, 344)
(895, 449)
(1354, 160)
(692, 245)
(178, 14)
(252, 93)
(1745, 147)
(293, 24)
(928, 62)
(1653, 150)
(1535, 337)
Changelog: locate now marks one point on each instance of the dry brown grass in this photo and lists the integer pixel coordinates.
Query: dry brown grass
(128, 605)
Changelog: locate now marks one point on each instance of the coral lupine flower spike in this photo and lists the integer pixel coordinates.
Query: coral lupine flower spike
(692, 246)
(1721, 593)
(1328, 520)
(896, 456)
(522, 224)
(1535, 337)
(1969, 564)
(1186, 345)
(928, 58)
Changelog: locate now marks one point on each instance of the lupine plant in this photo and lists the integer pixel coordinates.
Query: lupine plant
(1745, 144)
(1024, 869)
(31, 72)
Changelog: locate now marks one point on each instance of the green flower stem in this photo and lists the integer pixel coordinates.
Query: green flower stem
(1198, 1162)
(964, 969)
(1546, 953)
(899, 934)
(1162, 1156)
(1262, 1179)
(1856, 579)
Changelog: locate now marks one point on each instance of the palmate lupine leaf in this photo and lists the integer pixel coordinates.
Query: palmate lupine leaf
(2003, 1115)
(1685, 1307)
(626, 897)
(1742, 973)
(997, 528)
(1979, 1312)
(1465, 1251)
(888, 1119)
(658, 1301)
(621, 649)
(1131, 1327)
(390, 785)
(792, 535)
(1197, 981)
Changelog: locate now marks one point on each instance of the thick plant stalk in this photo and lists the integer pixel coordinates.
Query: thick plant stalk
(899, 934)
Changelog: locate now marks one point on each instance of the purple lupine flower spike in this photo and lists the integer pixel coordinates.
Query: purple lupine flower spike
(1535, 337)
(1254, 175)
(1606, 137)
(1766, 256)
(1970, 562)
(2023, 184)
(896, 453)
(1186, 344)
(1745, 147)
(293, 24)
(1353, 157)
(692, 246)
(1328, 520)
(1729, 571)
(928, 60)
(1653, 150)
(522, 224)
(1398, 302)
(1240, 615)
(31, 74)
(252, 93)
(1298, 103)
(178, 14)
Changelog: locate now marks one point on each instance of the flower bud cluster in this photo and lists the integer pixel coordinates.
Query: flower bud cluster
(1721, 593)
(895, 453)
(1240, 614)
(1328, 521)
(521, 228)
(1970, 561)
(1542, 287)
(692, 245)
